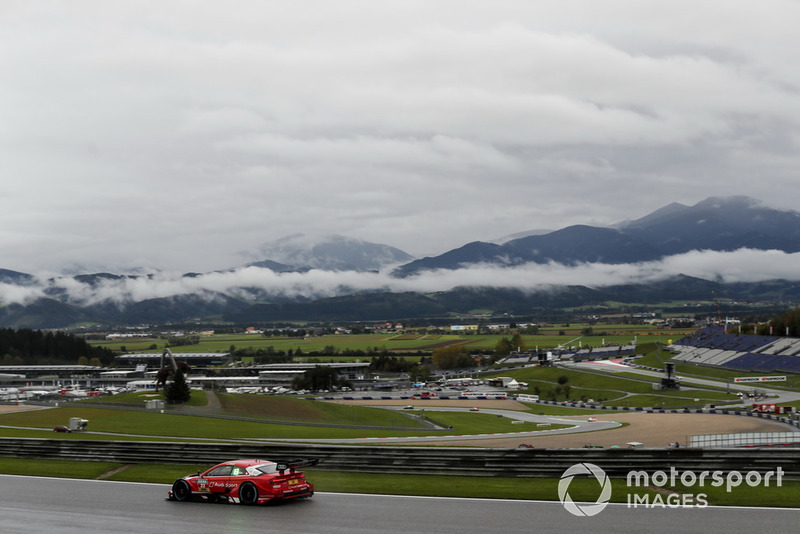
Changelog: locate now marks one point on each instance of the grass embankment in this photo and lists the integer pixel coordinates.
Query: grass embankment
(273, 408)
(128, 424)
(479, 423)
(613, 389)
(309, 420)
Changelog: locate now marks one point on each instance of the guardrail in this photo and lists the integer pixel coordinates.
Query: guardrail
(523, 462)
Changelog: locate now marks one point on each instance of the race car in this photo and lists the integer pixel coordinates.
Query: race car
(245, 482)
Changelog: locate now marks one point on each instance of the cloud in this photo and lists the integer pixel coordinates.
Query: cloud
(171, 135)
(253, 283)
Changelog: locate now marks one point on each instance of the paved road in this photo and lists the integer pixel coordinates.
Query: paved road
(63, 506)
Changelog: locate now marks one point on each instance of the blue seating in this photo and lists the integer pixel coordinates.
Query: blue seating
(756, 352)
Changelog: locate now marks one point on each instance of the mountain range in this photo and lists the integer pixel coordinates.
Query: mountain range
(300, 253)
(334, 278)
(717, 223)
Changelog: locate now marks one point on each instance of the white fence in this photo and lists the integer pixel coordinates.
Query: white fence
(744, 439)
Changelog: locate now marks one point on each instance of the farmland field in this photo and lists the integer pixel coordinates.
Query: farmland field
(408, 342)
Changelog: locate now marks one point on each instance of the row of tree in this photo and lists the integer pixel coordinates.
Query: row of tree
(34, 347)
(320, 378)
(787, 324)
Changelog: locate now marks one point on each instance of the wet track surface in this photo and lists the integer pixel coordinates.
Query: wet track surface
(57, 506)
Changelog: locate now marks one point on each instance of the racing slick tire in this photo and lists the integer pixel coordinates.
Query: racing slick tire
(248, 493)
(181, 490)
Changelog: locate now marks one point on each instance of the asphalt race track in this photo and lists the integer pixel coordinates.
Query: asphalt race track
(54, 506)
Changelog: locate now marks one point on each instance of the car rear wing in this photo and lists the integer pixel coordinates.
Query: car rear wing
(291, 465)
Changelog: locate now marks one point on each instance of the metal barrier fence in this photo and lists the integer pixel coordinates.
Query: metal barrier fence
(745, 439)
(418, 460)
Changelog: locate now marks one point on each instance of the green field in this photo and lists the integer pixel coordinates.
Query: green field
(614, 389)
(550, 337)
(323, 420)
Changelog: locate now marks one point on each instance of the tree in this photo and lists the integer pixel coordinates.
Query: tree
(178, 391)
(503, 347)
(320, 378)
(517, 342)
(452, 357)
(419, 373)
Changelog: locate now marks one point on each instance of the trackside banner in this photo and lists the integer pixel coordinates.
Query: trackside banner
(746, 379)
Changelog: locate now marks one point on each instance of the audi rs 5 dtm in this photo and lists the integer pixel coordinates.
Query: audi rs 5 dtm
(246, 482)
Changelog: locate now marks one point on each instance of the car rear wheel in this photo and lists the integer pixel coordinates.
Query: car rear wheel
(248, 493)
(181, 490)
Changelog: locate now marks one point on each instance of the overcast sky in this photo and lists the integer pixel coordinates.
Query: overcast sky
(177, 134)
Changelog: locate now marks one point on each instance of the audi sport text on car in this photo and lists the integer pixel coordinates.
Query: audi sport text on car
(245, 482)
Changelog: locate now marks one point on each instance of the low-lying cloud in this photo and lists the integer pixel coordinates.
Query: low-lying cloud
(258, 284)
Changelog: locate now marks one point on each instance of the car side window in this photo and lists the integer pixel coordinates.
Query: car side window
(237, 471)
(221, 471)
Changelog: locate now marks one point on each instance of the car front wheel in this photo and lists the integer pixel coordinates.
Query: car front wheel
(248, 493)
(181, 490)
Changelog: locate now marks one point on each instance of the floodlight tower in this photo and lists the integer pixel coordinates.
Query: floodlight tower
(719, 314)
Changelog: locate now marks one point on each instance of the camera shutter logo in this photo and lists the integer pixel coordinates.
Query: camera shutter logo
(584, 509)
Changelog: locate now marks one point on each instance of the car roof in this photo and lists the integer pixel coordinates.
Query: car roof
(247, 463)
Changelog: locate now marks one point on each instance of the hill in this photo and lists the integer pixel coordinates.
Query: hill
(716, 223)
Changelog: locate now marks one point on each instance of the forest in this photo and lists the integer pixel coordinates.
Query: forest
(35, 347)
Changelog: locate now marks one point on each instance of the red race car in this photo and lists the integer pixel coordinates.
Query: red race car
(245, 482)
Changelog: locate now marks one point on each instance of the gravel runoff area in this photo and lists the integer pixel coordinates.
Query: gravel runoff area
(652, 430)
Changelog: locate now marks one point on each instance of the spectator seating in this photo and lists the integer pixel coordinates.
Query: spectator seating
(712, 346)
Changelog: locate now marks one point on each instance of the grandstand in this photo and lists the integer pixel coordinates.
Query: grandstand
(602, 353)
(713, 347)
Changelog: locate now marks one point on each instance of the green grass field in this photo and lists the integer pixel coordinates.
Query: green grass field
(550, 336)
(325, 420)
(615, 388)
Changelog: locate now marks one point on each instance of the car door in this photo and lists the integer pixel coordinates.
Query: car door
(217, 480)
